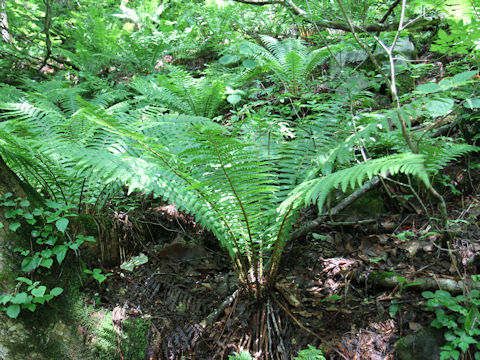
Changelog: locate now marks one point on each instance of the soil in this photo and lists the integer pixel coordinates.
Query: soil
(323, 295)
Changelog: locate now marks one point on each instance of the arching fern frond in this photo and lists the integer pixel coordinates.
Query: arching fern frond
(437, 157)
(317, 190)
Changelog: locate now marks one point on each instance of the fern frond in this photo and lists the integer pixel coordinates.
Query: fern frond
(289, 59)
(182, 93)
(317, 190)
(436, 158)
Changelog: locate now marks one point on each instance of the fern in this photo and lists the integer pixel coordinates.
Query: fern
(289, 59)
(182, 93)
(317, 190)
(45, 138)
(437, 158)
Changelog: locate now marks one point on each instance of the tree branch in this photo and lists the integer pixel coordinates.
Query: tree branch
(337, 25)
(314, 224)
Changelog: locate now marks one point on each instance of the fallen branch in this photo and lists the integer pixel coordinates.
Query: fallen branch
(328, 24)
(314, 224)
(419, 284)
(214, 315)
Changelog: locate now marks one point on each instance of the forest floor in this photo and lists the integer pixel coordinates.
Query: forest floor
(349, 289)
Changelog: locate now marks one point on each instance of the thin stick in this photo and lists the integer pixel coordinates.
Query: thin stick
(296, 321)
(210, 319)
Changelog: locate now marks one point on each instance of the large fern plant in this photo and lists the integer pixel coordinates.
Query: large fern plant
(247, 191)
(246, 194)
(181, 92)
(44, 138)
(290, 60)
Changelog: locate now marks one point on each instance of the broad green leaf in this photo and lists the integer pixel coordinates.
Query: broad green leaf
(14, 226)
(39, 300)
(25, 280)
(56, 291)
(39, 292)
(62, 224)
(29, 264)
(28, 216)
(428, 88)
(37, 212)
(234, 99)
(228, 59)
(4, 298)
(60, 251)
(47, 253)
(31, 307)
(134, 261)
(20, 298)
(25, 203)
(13, 311)
(440, 107)
(249, 64)
(464, 76)
(473, 103)
(46, 263)
(53, 204)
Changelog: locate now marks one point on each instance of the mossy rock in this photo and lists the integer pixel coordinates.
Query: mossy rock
(371, 204)
(85, 225)
(50, 332)
(424, 344)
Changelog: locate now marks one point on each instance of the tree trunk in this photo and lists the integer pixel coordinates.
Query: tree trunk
(4, 23)
(32, 335)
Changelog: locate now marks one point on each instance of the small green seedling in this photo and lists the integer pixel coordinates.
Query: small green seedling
(98, 275)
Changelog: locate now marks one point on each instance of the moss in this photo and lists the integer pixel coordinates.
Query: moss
(405, 82)
(136, 339)
(133, 337)
(425, 345)
(377, 276)
(85, 225)
(52, 329)
(370, 204)
(104, 337)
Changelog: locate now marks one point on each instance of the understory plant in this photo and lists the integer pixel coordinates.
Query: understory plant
(46, 230)
(290, 60)
(246, 193)
(459, 317)
(246, 187)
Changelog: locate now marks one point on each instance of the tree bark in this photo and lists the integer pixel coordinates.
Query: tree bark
(4, 23)
(337, 25)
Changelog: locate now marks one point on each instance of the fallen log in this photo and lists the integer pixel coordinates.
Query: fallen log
(391, 280)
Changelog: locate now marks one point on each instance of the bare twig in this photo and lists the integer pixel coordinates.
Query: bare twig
(210, 319)
(296, 320)
(337, 25)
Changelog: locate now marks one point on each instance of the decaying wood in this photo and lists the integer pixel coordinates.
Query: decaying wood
(420, 283)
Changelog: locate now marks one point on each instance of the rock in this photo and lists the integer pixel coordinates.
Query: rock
(424, 344)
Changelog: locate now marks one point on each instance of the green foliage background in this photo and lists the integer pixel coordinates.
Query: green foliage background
(241, 115)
